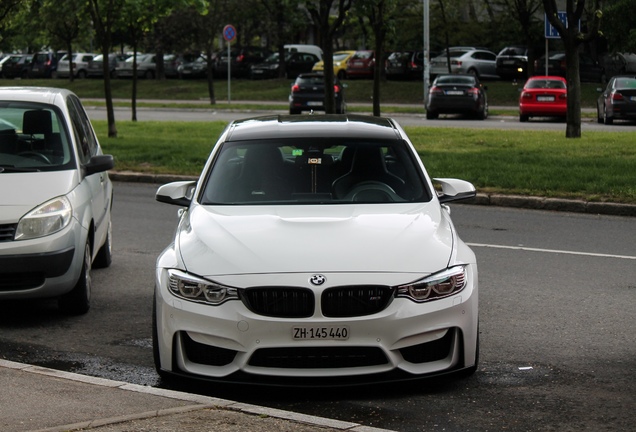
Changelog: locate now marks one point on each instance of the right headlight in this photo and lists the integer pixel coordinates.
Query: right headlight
(49, 218)
(436, 286)
(194, 288)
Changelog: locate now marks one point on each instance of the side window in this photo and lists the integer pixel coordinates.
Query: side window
(86, 140)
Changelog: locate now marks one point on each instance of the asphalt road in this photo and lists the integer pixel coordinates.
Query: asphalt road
(557, 328)
(449, 121)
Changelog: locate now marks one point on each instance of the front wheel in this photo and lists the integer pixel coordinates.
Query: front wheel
(78, 300)
(430, 115)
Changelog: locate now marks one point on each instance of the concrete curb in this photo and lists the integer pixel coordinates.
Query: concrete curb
(198, 402)
(515, 201)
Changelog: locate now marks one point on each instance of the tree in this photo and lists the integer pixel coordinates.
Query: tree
(619, 27)
(524, 12)
(572, 38)
(63, 22)
(320, 12)
(7, 7)
(105, 15)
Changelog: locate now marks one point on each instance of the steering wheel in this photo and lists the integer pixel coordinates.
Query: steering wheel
(35, 156)
(372, 191)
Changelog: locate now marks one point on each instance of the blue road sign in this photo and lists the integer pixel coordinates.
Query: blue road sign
(551, 31)
(229, 33)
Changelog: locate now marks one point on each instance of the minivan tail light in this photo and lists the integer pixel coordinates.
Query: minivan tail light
(295, 88)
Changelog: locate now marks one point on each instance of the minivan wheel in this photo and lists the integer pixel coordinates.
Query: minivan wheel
(78, 300)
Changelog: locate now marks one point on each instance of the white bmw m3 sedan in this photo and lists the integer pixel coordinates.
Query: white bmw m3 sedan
(314, 251)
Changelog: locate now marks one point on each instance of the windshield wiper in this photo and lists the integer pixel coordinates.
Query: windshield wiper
(12, 169)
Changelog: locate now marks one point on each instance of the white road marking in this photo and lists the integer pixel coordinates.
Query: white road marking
(523, 248)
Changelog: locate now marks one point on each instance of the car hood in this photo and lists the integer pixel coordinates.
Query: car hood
(214, 240)
(21, 192)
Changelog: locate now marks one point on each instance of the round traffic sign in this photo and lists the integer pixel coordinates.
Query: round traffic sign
(229, 33)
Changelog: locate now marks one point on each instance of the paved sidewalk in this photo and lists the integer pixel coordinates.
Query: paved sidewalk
(40, 399)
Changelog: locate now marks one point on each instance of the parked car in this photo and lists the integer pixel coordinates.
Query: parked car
(17, 66)
(96, 69)
(295, 64)
(361, 64)
(55, 224)
(543, 96)
(306, 48)
(308, 94)
(195, 68)
(81, 62)
(477, 62)
(457, 94)
(405, 65)
(242, 60)
(44, 64)
(314, 250)
(619, 63)
(146, 66)
(589, 69)
(618, 100)
(340, 61)
(3, 60)
(512, 62)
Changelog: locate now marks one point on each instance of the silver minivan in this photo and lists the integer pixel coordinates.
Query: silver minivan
(56, 198)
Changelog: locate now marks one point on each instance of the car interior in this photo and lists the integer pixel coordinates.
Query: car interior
(319, 172)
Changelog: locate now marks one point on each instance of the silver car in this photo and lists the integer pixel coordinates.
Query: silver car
(55, 222)
(478, 62)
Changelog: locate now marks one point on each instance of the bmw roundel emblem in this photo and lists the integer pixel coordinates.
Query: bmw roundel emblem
(317, 279)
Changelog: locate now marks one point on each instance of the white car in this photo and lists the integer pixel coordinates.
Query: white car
(55, 198)
(479, 62)
(81, 63)
(315, 250)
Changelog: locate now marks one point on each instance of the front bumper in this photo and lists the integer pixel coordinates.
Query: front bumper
(231, 343)
(42, 267)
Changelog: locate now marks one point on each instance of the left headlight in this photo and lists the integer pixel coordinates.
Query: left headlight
(436, 286)
(49, 218)
(197, 289)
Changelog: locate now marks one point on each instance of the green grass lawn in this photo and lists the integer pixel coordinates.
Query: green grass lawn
(597, 167)
(277, 90)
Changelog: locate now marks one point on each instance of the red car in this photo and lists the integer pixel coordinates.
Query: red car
(543, 96)
(361, 65)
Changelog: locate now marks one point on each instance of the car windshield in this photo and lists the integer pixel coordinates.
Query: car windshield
(340, 56)
(513, 51)
(32, 138)
(310, 80)
(545, 84)
(313, 171)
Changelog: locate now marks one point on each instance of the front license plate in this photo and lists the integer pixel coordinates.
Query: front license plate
(324, 333)
(454, 92)
(314, 103)
(545, 98)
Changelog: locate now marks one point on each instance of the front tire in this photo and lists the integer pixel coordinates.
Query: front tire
(78, 300)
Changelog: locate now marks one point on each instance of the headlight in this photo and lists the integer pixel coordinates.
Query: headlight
(436, 286)
(46, 219)
(197, 289)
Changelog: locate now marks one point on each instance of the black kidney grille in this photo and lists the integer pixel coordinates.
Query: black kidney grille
(282, 302)
(318, 357)
(352, 301)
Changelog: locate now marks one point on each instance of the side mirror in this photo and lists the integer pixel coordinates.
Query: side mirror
(99, 163)
(177, 193)
(455, 190)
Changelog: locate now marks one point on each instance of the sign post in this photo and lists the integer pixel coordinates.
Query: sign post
(229, 34)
